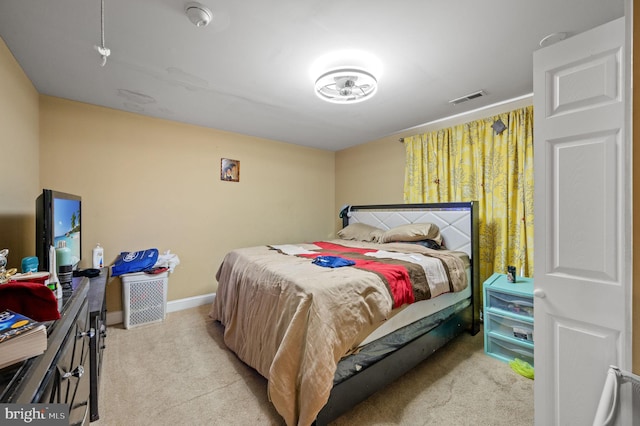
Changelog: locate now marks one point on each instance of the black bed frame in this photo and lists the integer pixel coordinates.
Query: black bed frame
(348, 393)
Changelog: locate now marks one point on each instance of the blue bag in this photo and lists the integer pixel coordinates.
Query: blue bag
(136, 261)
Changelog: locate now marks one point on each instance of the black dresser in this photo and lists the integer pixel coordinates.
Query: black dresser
(69, 370)
(98, 321)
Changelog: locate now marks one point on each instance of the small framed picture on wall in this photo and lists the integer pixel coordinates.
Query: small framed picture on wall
(230, 170)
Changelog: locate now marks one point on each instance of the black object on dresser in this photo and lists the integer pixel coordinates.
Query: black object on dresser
(74, 343)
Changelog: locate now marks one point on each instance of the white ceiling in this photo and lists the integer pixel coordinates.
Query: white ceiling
(248, 70)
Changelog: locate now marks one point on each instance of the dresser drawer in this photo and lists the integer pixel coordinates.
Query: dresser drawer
(509, 327)
(69, 383)
(507, 350)
(510, 303)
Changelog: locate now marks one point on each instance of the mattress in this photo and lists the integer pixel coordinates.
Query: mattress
(416, 311)
(403, 325)
(408, 314)
(374, 351)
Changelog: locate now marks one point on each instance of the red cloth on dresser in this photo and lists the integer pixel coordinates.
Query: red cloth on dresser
(34, 300)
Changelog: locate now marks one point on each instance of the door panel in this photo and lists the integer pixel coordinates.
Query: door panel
(582, 247)
(584, 84)
(580, 344)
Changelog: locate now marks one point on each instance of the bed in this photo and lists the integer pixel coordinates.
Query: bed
(327, 336)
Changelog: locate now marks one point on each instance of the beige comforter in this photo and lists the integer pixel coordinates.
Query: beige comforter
(292, 320)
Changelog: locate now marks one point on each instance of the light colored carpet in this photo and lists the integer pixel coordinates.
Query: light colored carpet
(180, 372)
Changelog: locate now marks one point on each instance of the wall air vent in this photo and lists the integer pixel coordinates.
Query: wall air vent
(468, 97)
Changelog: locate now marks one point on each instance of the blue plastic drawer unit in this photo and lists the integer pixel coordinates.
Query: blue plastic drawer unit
(507, 349)
(508, 318)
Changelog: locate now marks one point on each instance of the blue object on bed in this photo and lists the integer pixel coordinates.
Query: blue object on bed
(333, 261)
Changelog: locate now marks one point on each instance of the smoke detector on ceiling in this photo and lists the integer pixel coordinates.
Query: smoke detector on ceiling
(198, 14)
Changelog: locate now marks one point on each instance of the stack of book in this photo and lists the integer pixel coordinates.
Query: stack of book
(20, 338)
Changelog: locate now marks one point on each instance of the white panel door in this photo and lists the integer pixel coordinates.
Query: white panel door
(582, 199)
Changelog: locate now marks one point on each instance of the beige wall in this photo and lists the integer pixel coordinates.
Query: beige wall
(148, 182)
(19, 153)
(371, 173)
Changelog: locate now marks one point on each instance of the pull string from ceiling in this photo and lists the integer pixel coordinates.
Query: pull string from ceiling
(102, 50)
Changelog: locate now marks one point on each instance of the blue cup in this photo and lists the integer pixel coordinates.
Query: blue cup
(29, 264)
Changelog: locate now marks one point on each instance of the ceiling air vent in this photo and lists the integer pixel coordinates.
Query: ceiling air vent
(468, 97)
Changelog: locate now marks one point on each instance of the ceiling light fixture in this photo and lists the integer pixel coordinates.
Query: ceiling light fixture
(198, 14)
(346, 86)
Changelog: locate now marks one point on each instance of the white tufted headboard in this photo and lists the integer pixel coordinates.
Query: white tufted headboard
(455, 220)
(455, 224)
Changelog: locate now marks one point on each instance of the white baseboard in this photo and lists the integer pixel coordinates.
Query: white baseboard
(115, 317)
(172, 306)
(190, 302)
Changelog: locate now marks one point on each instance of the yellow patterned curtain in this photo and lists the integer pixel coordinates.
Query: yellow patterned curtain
(472, 161)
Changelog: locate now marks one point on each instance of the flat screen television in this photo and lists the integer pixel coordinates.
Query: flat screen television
(58, 218)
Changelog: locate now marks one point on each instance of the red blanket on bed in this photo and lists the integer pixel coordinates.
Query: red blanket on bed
(395, 275)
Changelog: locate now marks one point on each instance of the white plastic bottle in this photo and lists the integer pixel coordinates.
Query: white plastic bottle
(98, 257)
(53, 283)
